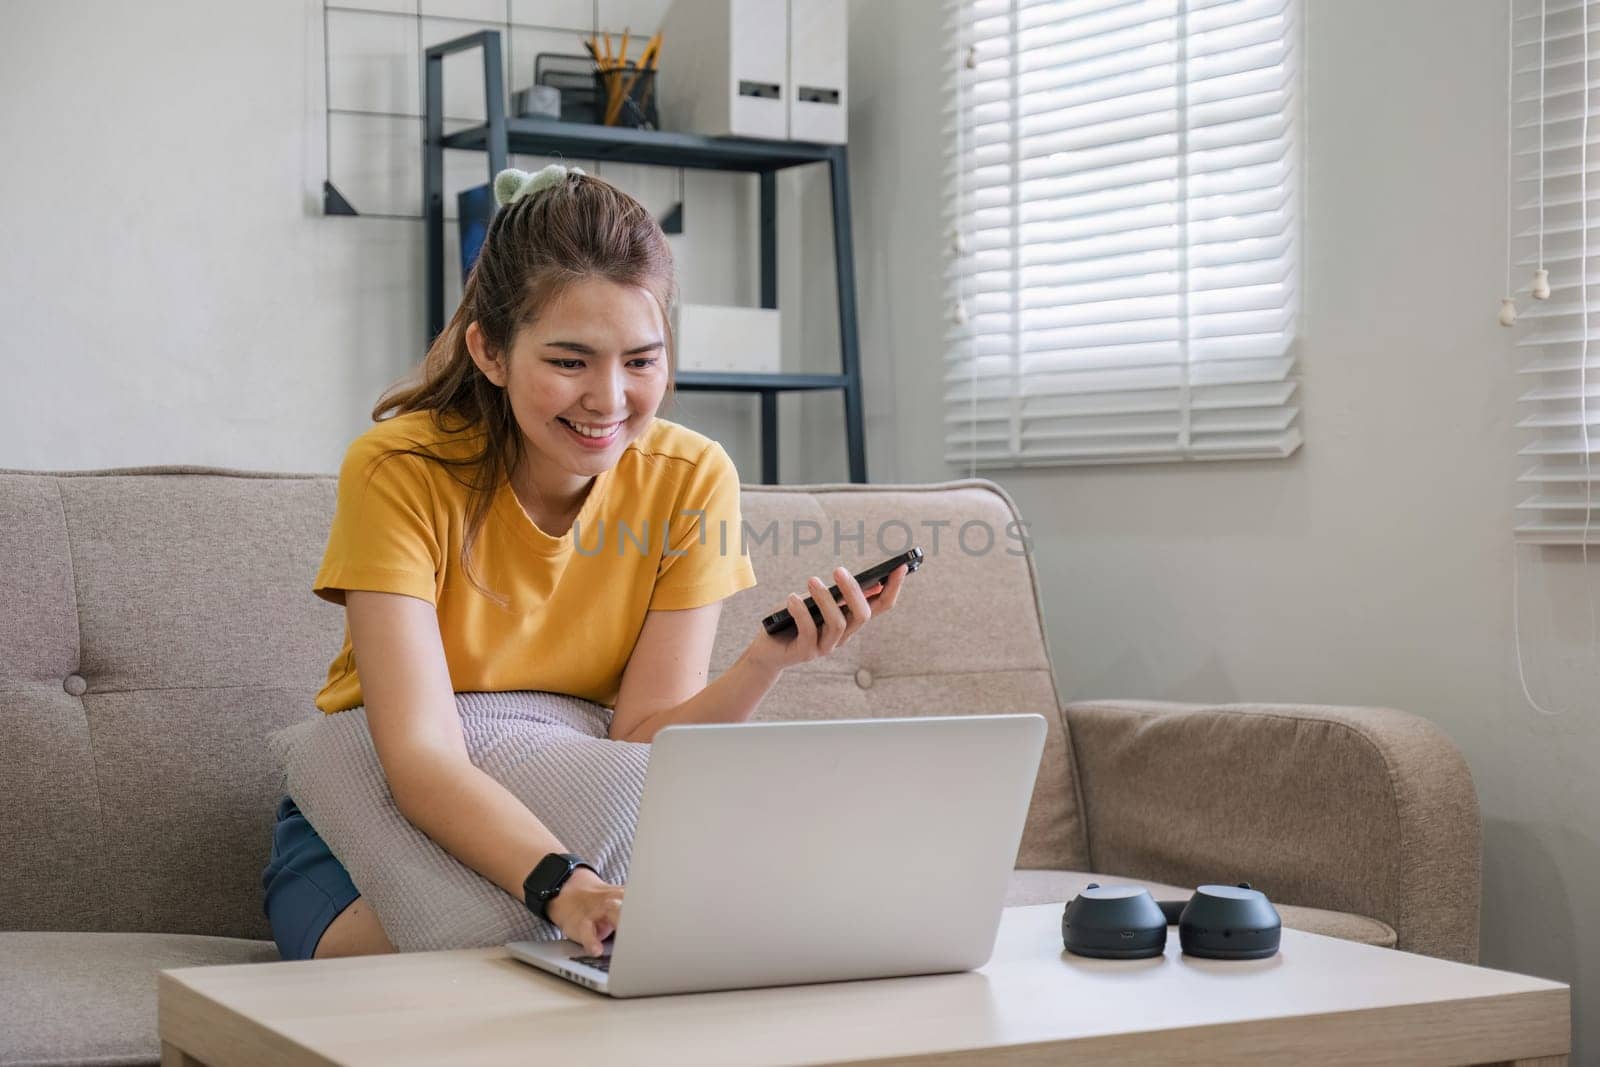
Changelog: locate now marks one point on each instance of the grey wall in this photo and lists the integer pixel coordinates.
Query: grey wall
(1375, 566)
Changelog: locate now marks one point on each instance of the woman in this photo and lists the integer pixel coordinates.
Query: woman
(523, 521)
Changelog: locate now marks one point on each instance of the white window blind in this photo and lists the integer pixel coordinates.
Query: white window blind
(1124, 231)
(1560, 362)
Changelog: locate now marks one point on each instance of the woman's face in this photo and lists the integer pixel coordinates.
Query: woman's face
(584, 379)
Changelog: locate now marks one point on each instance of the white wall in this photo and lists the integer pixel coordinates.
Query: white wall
(1374, 567)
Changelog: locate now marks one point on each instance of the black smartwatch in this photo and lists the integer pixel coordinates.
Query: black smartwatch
(544, 882)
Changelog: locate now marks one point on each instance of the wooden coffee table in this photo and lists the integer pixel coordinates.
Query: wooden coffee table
(1319, 1001)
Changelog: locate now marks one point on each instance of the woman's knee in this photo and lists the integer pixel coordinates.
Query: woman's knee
(355, 931)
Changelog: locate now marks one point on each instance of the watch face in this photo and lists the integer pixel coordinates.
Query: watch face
(544, 882)
(550, 873)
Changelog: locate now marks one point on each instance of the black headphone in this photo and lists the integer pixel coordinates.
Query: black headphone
(1123, 922)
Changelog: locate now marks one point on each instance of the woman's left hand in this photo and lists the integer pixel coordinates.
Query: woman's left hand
(808, 641)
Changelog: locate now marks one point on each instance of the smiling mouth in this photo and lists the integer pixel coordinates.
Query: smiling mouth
(592, 431)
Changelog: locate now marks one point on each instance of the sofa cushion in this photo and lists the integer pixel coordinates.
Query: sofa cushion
(967, 636)
(1049, 887)
(91, 998)
(133, 735)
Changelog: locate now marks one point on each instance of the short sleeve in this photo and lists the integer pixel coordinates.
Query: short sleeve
(383, 537)
(706, 562)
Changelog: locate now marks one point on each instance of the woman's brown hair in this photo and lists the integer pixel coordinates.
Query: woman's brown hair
(537, 246)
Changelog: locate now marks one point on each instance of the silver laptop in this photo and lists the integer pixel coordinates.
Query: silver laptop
(789, 852)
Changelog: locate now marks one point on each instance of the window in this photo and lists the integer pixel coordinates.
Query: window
(1124, 231)
(1555, 140)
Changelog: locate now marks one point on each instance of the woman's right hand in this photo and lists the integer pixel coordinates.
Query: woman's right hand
(808, 641)
(587, 909)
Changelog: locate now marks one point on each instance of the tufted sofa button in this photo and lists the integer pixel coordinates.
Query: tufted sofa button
(864, 678)
(75, 685)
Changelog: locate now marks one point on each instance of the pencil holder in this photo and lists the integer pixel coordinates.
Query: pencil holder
(627, 96)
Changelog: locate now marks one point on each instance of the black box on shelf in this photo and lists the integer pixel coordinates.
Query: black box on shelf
(574, 76)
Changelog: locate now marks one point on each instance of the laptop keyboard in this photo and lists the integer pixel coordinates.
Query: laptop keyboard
(599, 963)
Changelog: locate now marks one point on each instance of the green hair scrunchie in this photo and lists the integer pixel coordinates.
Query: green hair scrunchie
(511, 185)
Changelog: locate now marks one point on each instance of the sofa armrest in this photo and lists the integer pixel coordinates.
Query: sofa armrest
(1362, 810)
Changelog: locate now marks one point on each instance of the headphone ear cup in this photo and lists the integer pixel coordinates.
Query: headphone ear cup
(1225, 922)
(1115, 922)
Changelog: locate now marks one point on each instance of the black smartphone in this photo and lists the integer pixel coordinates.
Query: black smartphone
(780, 621)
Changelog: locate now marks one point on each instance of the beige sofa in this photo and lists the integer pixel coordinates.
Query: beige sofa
(157, 624)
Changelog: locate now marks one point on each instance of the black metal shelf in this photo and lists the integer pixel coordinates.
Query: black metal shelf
(618, 144)
(500, 136)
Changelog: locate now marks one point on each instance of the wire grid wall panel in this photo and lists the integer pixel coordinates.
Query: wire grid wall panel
(1555, 163)
(1123, 222)
(372, 53)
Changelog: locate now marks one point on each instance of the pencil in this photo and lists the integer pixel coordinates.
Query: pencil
(645, 58)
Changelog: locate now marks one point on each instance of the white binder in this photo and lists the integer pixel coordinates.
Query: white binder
(818, 65)
(723, 68)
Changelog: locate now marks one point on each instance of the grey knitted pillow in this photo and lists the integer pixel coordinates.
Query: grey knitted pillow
(548, 749)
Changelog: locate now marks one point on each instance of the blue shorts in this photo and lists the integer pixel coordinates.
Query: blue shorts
(303, 887)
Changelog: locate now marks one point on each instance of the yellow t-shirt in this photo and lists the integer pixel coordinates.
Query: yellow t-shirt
(575, 603)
